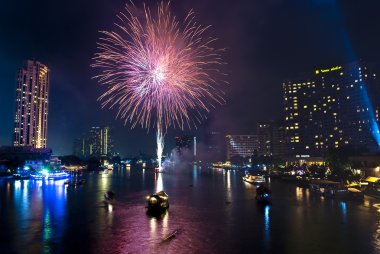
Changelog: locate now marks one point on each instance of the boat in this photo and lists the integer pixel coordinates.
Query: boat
(57, 175)
(37, 176)
(329, 189)
(158, 202)
(355, 193)
(170, 236)
(263, 194)
(109, 196)
(253, 179)
(20, 176)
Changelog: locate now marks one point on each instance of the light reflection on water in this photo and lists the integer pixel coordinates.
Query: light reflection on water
(266, 223)
(159, 184)
(343, 206)
(217, 214)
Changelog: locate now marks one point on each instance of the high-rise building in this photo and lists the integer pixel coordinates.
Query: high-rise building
(332, 107)
(30, 125)
(242, 145)
(97, 143)
(272, 139)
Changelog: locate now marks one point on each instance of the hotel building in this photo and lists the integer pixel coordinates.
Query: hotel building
(332, 107)
(242, 145)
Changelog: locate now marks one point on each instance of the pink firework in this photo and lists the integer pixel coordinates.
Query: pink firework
(158, 71)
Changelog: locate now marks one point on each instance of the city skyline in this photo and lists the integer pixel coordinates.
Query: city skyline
(261, 56)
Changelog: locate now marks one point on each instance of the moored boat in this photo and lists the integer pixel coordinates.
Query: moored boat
(263, 194)
(253, 179)
(355, 193)
(109, 196)
(59, 175)
(158, 202)
(329, 189)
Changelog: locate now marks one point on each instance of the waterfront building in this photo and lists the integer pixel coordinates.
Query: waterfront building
(332, 107)
(34, 158)
(31, 115)
(272, 139)
(97, 143)
(242, 145)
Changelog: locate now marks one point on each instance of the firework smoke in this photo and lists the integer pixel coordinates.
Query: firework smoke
(159, 72)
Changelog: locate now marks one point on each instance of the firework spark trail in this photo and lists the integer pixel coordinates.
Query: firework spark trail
(159, 72)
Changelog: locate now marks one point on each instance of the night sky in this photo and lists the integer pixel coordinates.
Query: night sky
(267, 42)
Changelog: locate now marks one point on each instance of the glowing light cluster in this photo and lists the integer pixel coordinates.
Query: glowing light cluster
(158, 71)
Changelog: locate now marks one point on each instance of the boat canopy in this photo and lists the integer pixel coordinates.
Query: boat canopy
(372, 179)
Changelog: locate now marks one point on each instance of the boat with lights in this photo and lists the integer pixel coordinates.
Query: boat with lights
(329, 189)
(253, 179)
(263, 194)
(58, 175)
(158, 202)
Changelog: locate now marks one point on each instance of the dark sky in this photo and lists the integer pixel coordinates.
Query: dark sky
(267, 41)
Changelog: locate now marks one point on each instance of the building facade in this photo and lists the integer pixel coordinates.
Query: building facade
(97, 143)
(272, 139)
(31, 115)
(242, 145)
(332, 107)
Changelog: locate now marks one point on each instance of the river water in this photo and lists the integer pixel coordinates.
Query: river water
(213, 211)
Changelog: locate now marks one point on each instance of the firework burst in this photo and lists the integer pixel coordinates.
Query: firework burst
(159, 72)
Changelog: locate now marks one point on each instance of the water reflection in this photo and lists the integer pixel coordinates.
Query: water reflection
(159, 226)
(376, 235)
(266, 223)
(49, 223)
(158, 182)
(302, 195)
(153, 226)
(54, 212)
(195, 174)
(343, 206)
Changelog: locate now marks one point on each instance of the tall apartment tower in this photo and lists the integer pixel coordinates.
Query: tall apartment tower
(98, 142)
(30, 128)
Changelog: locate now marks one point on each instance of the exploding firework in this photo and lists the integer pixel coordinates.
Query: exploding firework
(159, 72)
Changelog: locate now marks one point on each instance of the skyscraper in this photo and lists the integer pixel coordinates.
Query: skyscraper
(333, 107)
(272, 139)
(31, 116)
(98, 142)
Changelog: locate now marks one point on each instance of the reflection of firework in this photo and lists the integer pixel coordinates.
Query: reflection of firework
(157, 71)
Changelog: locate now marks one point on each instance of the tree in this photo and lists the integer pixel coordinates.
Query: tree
(338, 161)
